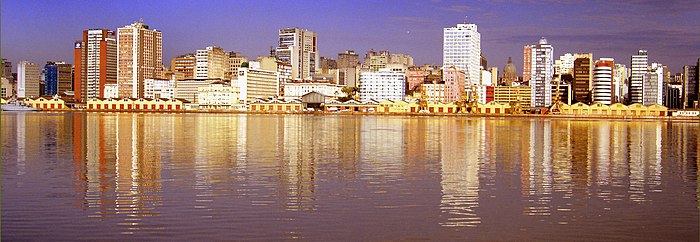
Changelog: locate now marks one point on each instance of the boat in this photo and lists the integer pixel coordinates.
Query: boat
(17, 107)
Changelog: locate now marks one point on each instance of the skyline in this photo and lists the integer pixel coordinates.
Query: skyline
(666, 29)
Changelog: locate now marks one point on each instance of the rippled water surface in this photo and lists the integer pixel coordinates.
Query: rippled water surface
(68, 176)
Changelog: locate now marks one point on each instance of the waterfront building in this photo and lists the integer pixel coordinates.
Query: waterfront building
(462, 49)
(276, 105)
(673, 96)
(256, 84)
(211, 62)
(235, 61)
(620, 83)
(603, 88)
(111, 91)
(50, 73)
(636, 81)
(6, 88)
(54, 103)
(435, 92)
(7, 69)
(183, 66)
(28, 78)
(140, 56)
(95, 59)
(298, 47)
(58, 78)
(297, 90)
(542, 72)
(690, 85)
(188, 89)
(583, 74)
(270, 63)
(510, 74)
(455, 80)
(219, 96)
(159, 88)
(135, 104)
(384, 84)
(512, 94)
(652, 88)
(527, 63)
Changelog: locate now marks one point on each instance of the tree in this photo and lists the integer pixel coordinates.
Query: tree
(350, 94)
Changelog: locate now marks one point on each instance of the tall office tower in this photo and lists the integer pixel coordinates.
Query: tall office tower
(510, 75)
(527, 63)
(140, 56)
(95, 59)
(620, 83)
(211, 63)
(583, 73)
(690, 85)
(58, 78)
(564, 65)
(183, 66)
(652, 85)
(638, 69)
(298, 48)
(28, 77)
(348, 63)
(603, 87)
(542, 72)
(462, 48)
(235, 61)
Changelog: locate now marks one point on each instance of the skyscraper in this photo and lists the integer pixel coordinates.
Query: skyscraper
(348, 63)
(211, 62)
(583, 73)
(510, 74)
(690, 85)
(462, 48)
(28, 77)
(527, 63)
(58, 77)
(542, 72)
(639, 68)
(653, 83)
(140, 56)
(603, 91)
(298, 48)
(95, 59)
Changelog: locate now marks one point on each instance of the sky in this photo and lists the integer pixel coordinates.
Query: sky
(42, 30)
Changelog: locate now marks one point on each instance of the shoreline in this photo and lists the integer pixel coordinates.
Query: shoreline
(467, 115)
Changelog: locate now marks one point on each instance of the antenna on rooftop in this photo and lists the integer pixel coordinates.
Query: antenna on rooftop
(465, 19)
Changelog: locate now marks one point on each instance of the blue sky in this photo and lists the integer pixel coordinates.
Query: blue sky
(42, 31)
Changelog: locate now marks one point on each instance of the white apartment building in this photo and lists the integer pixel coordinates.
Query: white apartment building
(542, 71)
(565, 64)
(218, 96)
(211, 62)
(188, 89)
(28, 78)
(462, 49)
(653, 85)
(603, 81)
(384, 84)
(159, 88)
(298, 48)
(255, 83)
(620, 82)
(296, 90)
(637, 72)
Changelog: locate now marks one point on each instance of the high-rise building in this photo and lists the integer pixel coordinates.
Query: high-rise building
(583, 73)
(140, 56)
(256, 83)
(298, 48)
(348, 64)
(183, 66)
(384, 84)
(510, 73)
(28, 77)
(542, 72)
(603, 90)
(454, 79)
(462, 48)
(565, 64)
(652, 85)
(95, 59)
(690, 85)
(235, 61)
(527, 63)
(673, 96)
(620, 83)
(58, 78)
(638, 70)
(211, 62)
(7, 69)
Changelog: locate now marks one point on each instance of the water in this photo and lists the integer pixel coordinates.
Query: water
(97, 176)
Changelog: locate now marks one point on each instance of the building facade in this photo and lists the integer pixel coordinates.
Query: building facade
(183, 66)
(95, 59)
(583, 74)
(653, 85)
(28, 78)
(690, 85)
(211, 62)
(636, 81)
(384, 84)
(462, 48)
(510, 73)
(139, 56)
(296, 90)
(603, 88)
(542, 72)
(620, 83)
(159, 88)
(256, 83)
(527, 63)
(298, 48)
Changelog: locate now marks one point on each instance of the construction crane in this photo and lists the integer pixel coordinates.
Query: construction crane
(473, 101)
(556, 106)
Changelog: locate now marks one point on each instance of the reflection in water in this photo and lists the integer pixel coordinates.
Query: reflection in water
(321, 177)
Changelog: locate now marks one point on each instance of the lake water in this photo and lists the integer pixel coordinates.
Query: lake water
(124, 176)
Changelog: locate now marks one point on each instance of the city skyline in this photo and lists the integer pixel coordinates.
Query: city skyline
(614, 30)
